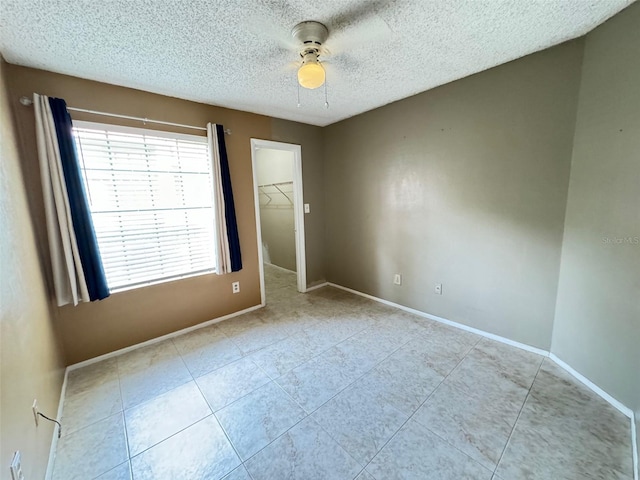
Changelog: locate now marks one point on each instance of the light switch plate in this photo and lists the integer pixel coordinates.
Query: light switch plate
(307, 208)
(16, 467)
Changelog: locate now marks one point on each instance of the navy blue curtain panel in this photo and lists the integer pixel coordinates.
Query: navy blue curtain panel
(80, 214)
(229, 206)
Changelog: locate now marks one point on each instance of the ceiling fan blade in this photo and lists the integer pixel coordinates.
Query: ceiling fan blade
(363, 33)
(279, 8)
(292, 66)
(357, 13)
(269, 32)
(332, 69)
(271, 21)
(342, 61)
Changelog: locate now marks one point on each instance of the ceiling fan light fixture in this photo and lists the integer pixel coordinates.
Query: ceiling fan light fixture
(311, 73)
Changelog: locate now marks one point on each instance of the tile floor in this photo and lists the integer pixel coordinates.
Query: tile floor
(328, 385)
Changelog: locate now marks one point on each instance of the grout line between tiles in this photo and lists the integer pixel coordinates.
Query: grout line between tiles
(124, 421)
(93, 422)
(170, 436)
(283, 433)
(194, 380)
(341, 391)
(241, 397)
(551, 355)
(274, 379)
(309, 414)
(220, 425)
(247, 355)
(128, 462)
(418, 408)
(320, 406)
(517, 418)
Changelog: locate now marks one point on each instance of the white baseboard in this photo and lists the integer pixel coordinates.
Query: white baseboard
(316, 287)
(612, 401)
(281, 268)
(54, 440)
(162, 338)
(619, 405)
(451, 323)
(634, 445)
(592, 386)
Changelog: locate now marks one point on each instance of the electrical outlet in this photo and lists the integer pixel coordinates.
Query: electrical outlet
(16, 467)
(235, 287)
(397, 279)
(438, 289)
(34, 407)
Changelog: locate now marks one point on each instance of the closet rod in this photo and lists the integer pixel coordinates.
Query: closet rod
(27, 101)
(274, 184)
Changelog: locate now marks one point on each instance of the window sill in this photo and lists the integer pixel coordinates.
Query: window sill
(161, 281)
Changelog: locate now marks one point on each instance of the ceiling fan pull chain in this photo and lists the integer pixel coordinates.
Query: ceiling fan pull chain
(326, 97)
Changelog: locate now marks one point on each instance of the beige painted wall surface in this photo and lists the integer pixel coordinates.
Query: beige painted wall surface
(137, 315)
(274, 166)
(276, 209)
(463, 185)
(31, 360)
(597, 325)
(310, 138)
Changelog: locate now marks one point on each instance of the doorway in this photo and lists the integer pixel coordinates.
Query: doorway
(277, 183)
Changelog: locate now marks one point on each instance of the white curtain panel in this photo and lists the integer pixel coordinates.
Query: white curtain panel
(223, 255)
(68, 276)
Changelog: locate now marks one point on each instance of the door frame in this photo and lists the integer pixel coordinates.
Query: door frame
(298, 210)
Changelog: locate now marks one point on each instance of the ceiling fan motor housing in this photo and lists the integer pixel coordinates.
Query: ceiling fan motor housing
(311, 35)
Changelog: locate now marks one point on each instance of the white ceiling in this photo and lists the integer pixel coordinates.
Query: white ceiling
(234, 53)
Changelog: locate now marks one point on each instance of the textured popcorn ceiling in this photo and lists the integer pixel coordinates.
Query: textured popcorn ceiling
(228, 52)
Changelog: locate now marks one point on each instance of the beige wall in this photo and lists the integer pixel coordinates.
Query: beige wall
(597, 324)
(310, 138)
(31, 360)
(278, 237)
(463, 185)
(276, 213)
(274, 166)
(137, 315)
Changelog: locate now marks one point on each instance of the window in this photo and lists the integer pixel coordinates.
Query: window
(151, 199)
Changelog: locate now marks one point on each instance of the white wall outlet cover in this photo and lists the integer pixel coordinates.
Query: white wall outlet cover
(307, 208)
(235, 287)
(397, 279)
(16, 467)
(34, 407)
(438, 289)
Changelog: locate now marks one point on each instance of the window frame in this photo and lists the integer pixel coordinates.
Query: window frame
(124, 129)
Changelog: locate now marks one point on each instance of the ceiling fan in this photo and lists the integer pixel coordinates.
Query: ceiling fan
(311, 35)
(328, 41)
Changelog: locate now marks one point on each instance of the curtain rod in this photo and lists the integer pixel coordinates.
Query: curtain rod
(27, 102)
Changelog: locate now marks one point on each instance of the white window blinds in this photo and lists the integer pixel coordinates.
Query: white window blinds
(151, 200)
